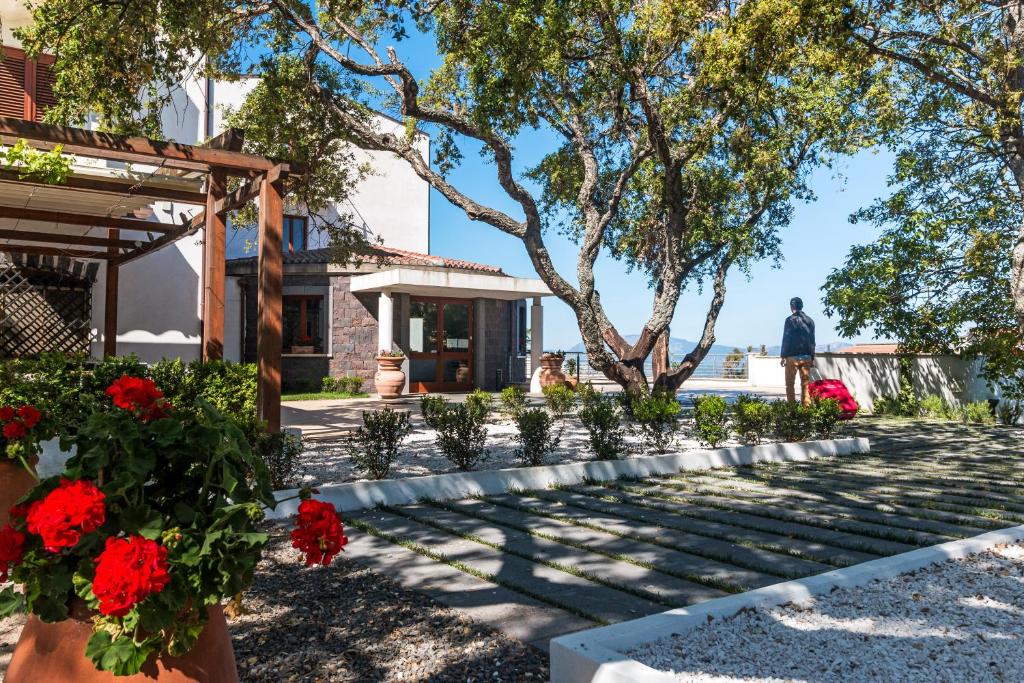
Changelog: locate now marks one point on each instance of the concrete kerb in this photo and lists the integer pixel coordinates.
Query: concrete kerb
(367, 494)
(597, 655)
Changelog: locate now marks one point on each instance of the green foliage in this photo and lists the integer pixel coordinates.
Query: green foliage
(346, 385)
(977, 412)
(752, 418)
(826, 415)
(461, 436)
(1009, 411)
(48, 167)
(374, 446)
(600, 415)
(903, 404)
(936, 407)
(513, 401)
(571, 366)
(734, 364)
(280, 453)
(480, 403)
(587, 394)
(560, 399)
(656, 417)
(792, 422)
(536, 437)
(432, 408)
(711, 421)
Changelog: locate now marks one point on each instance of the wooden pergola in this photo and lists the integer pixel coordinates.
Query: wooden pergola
(208, 167)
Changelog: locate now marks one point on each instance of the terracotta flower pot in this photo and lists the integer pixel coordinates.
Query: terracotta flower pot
(15, 481)
(390, 379)
(55, 653)
(551, 370)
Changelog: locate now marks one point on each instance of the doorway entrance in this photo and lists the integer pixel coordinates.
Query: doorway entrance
(440, 345)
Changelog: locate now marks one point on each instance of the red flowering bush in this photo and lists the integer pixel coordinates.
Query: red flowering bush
(12, 547)
(154, 518)
(127, 571)
(318, 532)
(70, 510)
(18, 428)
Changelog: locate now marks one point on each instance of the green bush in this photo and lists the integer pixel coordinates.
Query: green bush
(374, 446)
(752, 418)
(792, 421)
(432, 408)
(280, 453)
(480, 404)
(461, 437)
(588, 394)
(513, 401)
(600, 415)
(560, 399)
(355, 384)
(936, 407)
(827, 414)
(977, 412)
(710, 420)
(655, 415)
(329, 385)
(1009, 411)
(571, 366)
(536, 438)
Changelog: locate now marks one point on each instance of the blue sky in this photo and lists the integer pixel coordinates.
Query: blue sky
(816, 242)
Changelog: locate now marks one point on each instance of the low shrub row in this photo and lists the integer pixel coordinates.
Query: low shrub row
(937, 408)
(342, 385)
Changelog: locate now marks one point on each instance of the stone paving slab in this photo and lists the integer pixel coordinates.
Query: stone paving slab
(588, 599)
(766, 561)
(794, 529)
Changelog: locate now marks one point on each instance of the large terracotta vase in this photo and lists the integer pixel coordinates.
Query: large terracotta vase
(55, 653)
(15, 481)
(390, 379)
(551, 370)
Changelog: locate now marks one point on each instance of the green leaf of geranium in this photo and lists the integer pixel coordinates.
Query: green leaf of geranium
(121, 656)
(10, 602)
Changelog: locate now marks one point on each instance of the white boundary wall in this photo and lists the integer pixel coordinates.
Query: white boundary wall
(596, 655)
(870, 375)
(366, 494)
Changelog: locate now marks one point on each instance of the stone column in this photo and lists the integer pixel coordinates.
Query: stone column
(385, 322)
(480, 343)
(536, 341)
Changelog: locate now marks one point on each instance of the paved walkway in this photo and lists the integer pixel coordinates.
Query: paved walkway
(542, 563)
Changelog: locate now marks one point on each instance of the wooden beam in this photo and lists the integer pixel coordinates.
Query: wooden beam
(250, 189)
(188, 227)
(229, 138)
(214, 244)
(269, 329)
(112, 285)
(110, 146)
(68, 218)
(80, 240)
(127, 188)
(52, 251)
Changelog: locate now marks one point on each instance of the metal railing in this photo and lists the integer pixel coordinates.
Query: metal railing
(726, 366)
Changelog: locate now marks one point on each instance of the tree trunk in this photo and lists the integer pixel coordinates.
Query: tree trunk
(1017, 278)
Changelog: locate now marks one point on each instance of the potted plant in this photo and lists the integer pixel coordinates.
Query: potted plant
(551, 369)
(390, 379)
(126, 558)
(21, 431)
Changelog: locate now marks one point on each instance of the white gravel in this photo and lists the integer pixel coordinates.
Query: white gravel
(956, 621)
(327, 461)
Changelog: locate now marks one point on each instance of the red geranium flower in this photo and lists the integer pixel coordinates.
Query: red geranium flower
(12, 546)
(70, 510)
(140, 396)
(127, 571)
(6, 414)
(29, 415)
(318, 532)
(14, 430)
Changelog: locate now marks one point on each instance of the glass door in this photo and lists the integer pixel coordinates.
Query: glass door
(440, 345)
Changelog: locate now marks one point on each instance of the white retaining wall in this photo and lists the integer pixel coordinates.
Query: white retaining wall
(870, 375)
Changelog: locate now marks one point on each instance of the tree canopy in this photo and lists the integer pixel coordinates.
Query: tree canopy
(686, 128)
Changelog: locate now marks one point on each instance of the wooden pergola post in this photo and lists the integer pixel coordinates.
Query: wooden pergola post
(110, 301)
(214, 246)
(269, 325)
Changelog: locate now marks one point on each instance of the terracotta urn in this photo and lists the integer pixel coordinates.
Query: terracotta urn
(551, 370)
(15, 481)
(55, 653)
(390, 379)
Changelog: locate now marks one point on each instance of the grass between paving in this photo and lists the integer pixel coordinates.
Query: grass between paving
(569, 569)
(700, 552)
(368, 528)
(323, 395)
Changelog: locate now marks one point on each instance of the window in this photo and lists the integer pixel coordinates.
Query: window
(296, 234)
(26, 85)
(304, 328)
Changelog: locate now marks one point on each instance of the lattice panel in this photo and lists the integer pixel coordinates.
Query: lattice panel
(39, 318)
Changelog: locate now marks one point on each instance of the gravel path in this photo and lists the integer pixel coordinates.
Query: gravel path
(955, 621)
(346, 623)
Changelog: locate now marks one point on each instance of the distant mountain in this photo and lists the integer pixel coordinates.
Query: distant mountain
(677, 348)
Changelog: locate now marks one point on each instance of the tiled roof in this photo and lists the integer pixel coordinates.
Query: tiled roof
(390, 255)
(870, 348)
